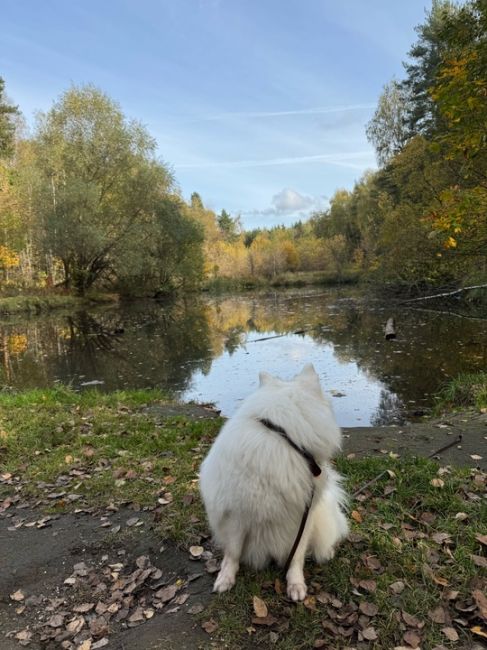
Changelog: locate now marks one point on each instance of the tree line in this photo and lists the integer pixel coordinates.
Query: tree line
(85, 202)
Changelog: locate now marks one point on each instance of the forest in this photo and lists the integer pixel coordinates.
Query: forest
(86, 203)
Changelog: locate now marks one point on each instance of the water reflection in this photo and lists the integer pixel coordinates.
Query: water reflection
(207, 349)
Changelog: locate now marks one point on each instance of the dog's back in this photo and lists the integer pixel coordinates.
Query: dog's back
(254, 484)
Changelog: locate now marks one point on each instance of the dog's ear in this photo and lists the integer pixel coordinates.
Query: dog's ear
(265, 378)
(308, 371)
(309, 377)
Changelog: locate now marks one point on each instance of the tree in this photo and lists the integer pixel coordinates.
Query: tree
(100, 181)
(387, 129)
(166, 254)
(421, 71)
(460, 93)
(8, 113)
(229, 227)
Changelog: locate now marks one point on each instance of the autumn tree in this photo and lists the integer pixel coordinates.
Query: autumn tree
(100, 182)
(422, 68)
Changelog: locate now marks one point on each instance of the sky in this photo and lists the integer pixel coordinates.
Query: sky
(260, 106)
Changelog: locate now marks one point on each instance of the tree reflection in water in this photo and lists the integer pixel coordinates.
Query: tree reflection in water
(204, 341)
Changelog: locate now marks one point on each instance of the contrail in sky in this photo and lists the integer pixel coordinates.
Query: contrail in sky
(303, 111)
(341, 160)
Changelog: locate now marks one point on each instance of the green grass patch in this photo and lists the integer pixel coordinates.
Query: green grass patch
(108, 448)
(112, 448)
(466, 390)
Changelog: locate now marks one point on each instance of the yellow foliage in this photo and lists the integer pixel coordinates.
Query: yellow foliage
(8, 257)
(17, 343)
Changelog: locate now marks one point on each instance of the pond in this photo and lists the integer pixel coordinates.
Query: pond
(211, 349)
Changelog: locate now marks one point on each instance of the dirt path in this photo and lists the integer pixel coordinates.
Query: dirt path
(37, 561)
(423, 438)
(39, 555)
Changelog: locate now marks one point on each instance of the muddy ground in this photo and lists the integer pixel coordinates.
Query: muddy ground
(37, 560)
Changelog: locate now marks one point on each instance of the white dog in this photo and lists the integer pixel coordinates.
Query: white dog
(257, 480)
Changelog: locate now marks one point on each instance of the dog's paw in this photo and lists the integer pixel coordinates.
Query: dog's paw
(224, 582)
(296, 591)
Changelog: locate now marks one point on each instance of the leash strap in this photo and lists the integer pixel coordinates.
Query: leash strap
(315, 470)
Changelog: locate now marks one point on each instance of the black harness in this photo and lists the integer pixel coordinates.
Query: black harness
(315, 470)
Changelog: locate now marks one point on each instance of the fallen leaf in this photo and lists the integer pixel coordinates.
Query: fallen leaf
(369, 633)
(438, 615)
(56, 621)
(476, 629)
(450, 633)
(197, 608)
(441, 538)
(260, 608)
(369, 609)
(76, 625)
(475, 457)
(86, 645)
(83, 608)
(356, 516)
(480, 561)
(196, 551)
(411, 620)
(17, 595)
(481, 538)
(210, 626)
(412, 638)
(437, 482)
(368, 585)
(167, 593)
(481, 602)
(310, 603)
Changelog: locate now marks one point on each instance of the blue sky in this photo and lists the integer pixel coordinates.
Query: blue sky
(258, 105)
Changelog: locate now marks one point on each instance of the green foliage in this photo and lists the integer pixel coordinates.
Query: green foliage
(387, 128)
(422, 69)
(229, 227)
(469, 389)
(8, 113)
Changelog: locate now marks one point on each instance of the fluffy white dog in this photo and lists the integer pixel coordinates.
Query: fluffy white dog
(257, 480)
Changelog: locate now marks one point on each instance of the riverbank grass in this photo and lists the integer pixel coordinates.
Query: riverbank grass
(45, 302)
(466, 390)
(409, 574)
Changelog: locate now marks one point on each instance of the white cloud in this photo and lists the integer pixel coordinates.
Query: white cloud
(287, 206)
(288, 200)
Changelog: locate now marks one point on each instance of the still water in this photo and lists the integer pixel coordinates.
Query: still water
(211, 349)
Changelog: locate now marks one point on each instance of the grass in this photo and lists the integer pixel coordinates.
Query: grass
(36, 304)
(466, 390)
(289, 279)
(380, 535)
(120, 451)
